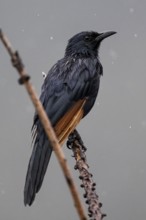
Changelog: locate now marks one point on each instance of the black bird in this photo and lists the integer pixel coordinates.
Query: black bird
(68, 93)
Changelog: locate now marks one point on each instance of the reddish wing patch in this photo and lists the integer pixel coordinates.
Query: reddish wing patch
(69, 121)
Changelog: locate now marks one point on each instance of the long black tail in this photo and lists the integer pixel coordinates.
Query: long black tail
(36, 169)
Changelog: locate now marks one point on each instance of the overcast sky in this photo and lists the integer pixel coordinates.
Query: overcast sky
(114, 132)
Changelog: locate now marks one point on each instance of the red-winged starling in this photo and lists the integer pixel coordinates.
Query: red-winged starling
(68, 93)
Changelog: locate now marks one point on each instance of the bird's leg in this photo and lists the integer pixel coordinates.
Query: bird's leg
(80, 141)
(75, 136)
(76, 144)
(70, 140)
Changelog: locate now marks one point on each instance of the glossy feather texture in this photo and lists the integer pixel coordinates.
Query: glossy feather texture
(68, 93)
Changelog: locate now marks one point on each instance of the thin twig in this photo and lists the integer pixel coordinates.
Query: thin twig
(24, 79)
(76, 144)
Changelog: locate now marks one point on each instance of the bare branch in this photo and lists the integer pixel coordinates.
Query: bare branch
(24, 79)
(76, 144)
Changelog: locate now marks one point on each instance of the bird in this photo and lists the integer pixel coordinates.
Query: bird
(68, 94)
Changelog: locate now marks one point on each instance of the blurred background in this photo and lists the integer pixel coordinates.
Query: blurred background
(114, 132)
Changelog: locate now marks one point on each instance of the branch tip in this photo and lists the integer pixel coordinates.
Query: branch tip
(76, 144)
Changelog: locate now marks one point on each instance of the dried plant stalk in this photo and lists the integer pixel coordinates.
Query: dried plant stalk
(76, 144)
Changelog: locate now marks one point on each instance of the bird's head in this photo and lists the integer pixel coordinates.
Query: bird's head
(86, 44)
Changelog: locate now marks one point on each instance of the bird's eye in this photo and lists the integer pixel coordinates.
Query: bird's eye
(88, 38)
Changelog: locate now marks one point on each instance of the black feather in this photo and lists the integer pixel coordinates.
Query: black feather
(75, 77)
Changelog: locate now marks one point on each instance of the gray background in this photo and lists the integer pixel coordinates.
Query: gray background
(115, 130)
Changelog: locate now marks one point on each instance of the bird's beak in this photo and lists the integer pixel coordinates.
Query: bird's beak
(104, 35)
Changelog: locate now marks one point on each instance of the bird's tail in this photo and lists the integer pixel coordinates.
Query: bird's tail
(42, 150)
(36, 169)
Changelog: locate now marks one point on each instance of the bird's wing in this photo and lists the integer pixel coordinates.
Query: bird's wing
(63, 97)
(69, 121)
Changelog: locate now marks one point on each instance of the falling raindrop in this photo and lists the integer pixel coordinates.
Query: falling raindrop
(131, 10)
(51, 38)
(44, 75)
(113, 54)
